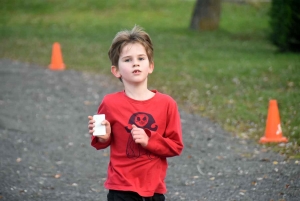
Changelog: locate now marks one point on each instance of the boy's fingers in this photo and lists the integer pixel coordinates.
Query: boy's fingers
(105, 122)
(134, 126)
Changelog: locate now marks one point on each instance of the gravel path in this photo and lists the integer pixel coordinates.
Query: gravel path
(45, 151)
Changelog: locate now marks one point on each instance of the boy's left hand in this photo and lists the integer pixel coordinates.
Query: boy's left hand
(139, 136)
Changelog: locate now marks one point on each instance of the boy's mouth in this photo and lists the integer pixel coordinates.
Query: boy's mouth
(136, 71)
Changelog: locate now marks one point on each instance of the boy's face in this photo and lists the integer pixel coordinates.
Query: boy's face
(134, 65)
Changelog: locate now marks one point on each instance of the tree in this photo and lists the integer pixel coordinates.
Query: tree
(206, 15)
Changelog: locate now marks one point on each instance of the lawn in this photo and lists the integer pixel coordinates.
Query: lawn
(228, 75)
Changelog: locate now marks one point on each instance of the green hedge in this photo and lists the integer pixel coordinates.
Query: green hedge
(285, 24)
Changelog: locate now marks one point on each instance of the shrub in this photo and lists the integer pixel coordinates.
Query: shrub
(285, 24)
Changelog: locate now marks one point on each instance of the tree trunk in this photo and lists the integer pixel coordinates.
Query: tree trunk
(206, 15)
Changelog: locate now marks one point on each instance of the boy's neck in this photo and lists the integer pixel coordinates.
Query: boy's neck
(139, 93)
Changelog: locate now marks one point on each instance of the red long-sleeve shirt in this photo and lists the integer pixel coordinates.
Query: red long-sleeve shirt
(132, 167)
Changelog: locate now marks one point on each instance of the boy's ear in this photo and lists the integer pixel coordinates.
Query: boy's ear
(114, 70)
(151, 67)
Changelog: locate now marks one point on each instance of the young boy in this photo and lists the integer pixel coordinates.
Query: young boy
(142, 126)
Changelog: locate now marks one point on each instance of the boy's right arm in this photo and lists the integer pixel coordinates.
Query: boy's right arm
(103, 141)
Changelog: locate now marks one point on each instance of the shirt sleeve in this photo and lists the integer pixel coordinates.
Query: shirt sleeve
(169, 143)
(94, 140)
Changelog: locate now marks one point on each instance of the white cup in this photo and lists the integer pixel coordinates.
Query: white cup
(99, 129)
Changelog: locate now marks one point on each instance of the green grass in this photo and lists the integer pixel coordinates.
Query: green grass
(227, 75)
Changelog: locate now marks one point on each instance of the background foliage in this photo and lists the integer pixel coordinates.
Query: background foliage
(285, 24)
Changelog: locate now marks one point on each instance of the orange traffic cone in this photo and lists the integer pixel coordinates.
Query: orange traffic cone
(56, 59)
(273, 131)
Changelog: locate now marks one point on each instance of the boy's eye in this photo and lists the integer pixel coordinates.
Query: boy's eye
(141, 58)
(127, 60)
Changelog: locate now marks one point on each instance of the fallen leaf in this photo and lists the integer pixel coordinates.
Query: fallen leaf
(96, 190)
(290, 84)
(264, 150)
(19, 160)
(275, 162)
(59, 162)
(57, 176)
(219, 157)
(74, 184)
(88, 103)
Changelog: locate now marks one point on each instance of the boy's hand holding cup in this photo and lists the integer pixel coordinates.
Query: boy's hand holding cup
(99, 127)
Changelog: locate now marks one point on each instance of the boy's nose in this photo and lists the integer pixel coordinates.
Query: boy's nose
(135, 63)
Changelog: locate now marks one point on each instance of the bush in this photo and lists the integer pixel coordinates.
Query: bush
(285, 24)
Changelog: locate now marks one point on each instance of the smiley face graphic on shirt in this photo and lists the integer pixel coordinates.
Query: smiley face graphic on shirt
(142, 120)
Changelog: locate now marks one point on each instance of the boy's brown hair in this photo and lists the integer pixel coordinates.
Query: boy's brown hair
(122, 38)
